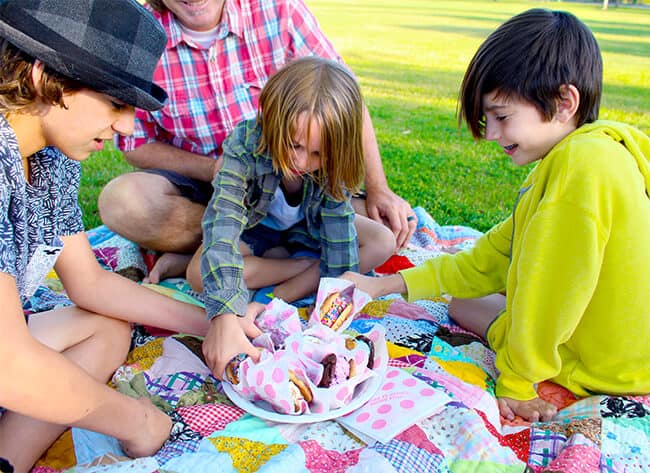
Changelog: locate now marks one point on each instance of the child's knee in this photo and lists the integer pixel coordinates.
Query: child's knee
(113, 338)
(386, 241)
(193, 274)
(377, 248)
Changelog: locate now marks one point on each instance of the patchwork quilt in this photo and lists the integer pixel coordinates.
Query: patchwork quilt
(464, 435)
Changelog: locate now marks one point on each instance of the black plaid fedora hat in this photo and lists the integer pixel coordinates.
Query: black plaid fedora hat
(111, 46)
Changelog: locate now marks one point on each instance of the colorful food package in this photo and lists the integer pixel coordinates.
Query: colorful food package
(337, 302)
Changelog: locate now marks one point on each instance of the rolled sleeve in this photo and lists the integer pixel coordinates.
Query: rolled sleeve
(222, 265)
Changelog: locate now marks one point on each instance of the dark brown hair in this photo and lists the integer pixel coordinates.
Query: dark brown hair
(530, 57)
(17, 89)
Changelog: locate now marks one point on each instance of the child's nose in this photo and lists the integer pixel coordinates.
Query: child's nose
(299, 161)
(125, 123)
(491, 130)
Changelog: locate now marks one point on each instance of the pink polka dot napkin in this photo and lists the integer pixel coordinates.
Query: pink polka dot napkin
(401, 401)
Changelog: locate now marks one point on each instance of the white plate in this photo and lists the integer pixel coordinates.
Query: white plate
(263, 410)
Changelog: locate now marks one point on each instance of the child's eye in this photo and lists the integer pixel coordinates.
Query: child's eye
(118, 105)
(296, 146)
(500, 118)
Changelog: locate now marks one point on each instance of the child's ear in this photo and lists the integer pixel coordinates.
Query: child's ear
(567, 104)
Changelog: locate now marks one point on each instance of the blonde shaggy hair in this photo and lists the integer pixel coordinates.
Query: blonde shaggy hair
(330, 96)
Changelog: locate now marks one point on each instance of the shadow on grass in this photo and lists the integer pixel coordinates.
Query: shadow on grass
(626, 47)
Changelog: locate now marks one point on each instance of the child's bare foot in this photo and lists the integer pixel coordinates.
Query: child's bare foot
(152, 433)
(534, 410)
(169, 265)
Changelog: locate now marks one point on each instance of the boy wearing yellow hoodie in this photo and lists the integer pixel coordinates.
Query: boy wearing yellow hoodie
(572, 259)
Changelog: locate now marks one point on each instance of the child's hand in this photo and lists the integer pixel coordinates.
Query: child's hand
(248, 321)
(534, 410)
(151, 434)
(225, 340)
(376, 286)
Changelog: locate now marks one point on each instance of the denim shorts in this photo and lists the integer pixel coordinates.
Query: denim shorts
(192, 189)
(261, 238)
(5, 466)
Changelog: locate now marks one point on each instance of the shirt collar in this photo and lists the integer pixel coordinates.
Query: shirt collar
(231, 21)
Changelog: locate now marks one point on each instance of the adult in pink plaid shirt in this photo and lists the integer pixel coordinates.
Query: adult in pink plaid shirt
(219, 55)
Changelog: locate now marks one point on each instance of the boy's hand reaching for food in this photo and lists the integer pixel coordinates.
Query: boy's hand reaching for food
(226, 338)
(534, 410)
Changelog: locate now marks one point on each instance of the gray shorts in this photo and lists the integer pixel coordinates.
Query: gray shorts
(192, 189)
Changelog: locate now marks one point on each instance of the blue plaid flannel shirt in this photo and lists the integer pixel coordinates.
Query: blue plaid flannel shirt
(243, 190)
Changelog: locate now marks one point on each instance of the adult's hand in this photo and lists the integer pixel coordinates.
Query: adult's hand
(225, 340)
(386, 207)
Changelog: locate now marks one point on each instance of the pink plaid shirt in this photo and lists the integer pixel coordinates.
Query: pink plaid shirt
(212, 89)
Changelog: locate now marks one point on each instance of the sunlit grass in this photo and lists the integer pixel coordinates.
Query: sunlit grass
(409, 57)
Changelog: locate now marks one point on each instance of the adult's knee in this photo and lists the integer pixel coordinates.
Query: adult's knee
(120, 201)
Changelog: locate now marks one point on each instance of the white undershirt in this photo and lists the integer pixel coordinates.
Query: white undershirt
(281, 215)
(202, 38)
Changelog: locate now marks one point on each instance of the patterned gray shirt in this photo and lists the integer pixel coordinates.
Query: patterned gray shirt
(33, 216)
(243, 190)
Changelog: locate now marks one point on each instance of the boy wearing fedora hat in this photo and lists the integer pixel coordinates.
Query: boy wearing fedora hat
(71, 73)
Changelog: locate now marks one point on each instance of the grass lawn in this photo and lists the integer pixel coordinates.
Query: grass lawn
(410, 57)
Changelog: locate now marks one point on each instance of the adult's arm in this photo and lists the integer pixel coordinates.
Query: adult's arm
(92, 288)
(160, 155)
(382, 204)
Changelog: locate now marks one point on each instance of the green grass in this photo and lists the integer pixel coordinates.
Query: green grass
(409, 57)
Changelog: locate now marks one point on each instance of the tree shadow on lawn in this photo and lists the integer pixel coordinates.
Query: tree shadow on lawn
(631, 48)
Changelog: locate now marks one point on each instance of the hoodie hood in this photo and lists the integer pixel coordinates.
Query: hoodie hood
(634, 140)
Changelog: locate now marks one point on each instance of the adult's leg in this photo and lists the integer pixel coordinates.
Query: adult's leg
(476, 315)
(97, 344)
(149, 210)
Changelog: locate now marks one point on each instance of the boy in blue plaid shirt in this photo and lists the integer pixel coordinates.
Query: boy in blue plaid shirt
(281, 213)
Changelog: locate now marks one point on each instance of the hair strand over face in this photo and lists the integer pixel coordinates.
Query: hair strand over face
(328, 95)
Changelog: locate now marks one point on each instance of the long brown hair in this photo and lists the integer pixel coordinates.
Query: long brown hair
(157, 5)
(328, 93)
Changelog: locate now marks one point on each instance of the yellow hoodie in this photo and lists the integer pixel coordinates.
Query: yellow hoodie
(574, 260)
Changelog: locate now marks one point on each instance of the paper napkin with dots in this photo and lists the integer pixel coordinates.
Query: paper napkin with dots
(401, 401)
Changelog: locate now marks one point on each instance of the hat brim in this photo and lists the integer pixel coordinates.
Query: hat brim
(152, 97)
